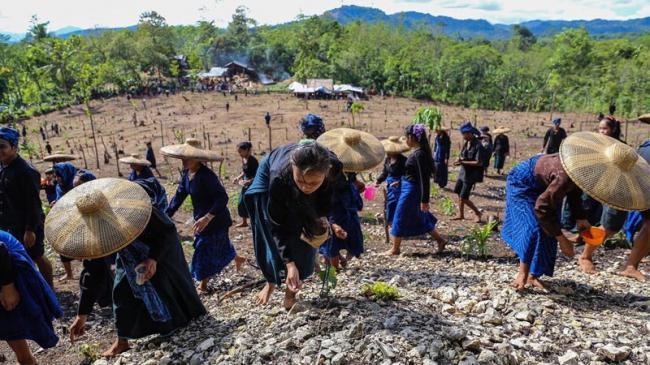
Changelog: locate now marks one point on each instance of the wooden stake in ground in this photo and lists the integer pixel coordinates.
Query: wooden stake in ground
(92, 129)
(117, 158)
(83, 155)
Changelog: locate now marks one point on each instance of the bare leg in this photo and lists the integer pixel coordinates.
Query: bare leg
(45, 268)
(336, 262)
(522, 277)
(586, 261)
(244, 223)
(69, 274)
(289, 299)
(461, 209)
(639, 251)
(203, 286)
(264, 295)
(470, 204)
(23, 353)
(239, 261)
(441, 241)
(119, 346)
(395, 250)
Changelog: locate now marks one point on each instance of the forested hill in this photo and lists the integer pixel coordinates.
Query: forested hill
(472, 28)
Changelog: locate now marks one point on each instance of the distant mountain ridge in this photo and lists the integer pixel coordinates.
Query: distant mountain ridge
(472, 28)
(465, 28)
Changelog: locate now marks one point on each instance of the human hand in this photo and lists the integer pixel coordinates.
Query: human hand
(9, 297)
(78, 327)
(29, 239)
(424, 207)
(582, 225)
(293, 277)
(395, 184)
(203, 222)
(339, 232)
(150, 266)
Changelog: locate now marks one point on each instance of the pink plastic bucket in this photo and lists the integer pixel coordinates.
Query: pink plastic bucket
(370, 192)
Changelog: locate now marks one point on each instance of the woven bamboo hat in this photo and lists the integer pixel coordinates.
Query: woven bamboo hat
(607, 169)
(358, 151)
(135, 159)
(501, 130)
(395, 144)
(57, 157)
(645, 118)
(190, 150)
(98, 218)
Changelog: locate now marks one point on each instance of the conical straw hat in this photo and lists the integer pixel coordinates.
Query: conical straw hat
(607, 170)
(190, 150)
(501, 130)
(358, 151)
(98, 218)
(59, 157)
(135, 159)
(395, 144)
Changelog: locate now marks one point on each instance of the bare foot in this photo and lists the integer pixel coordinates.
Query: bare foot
(520, 282)
(390, 252)
(587, 266)
(458, 218)
(536, 283)
(239, 261)
(289, 299)
(441, 247)
(203, 289)
(67, 278)
(118, 347)
(632, 272)
(241, 225)
(264, 295)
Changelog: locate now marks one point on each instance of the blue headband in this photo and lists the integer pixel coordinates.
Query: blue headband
(9, 135)
(312, 123)
(467, 127)
(557, 121)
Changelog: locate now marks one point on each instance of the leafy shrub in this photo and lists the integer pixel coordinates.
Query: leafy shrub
(380, 290)
(446, 206)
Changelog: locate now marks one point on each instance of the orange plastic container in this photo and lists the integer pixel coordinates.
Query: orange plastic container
(594, 236)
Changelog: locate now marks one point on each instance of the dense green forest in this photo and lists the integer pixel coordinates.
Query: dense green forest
(570, 71)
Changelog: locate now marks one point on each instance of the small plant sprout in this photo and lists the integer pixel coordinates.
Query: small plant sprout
(446, 206)
(380, 290)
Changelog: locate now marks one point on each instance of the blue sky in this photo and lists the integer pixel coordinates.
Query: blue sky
(15, 15)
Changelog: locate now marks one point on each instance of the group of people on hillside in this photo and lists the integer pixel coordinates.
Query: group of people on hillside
(301, 200)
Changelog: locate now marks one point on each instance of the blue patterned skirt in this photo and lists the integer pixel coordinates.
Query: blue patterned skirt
(499, 160)
(212, 253)
(392, 197)
(521, 230)
(38, 306)
(409, 219)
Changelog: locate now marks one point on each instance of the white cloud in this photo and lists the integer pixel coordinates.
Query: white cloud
(15, 15)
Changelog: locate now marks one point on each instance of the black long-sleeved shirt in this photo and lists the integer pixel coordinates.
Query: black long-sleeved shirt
(7, 271)
(395, 169)
(553, 139)
(250, 167)
(501, 144)
(418, 170)
(20, 202)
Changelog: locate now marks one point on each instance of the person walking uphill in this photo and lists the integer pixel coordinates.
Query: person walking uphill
(141, 171)
(357, 151)
(65, 173)
(535, 189)
(441, 154)
(27, 303)
(501, 148)
(153, 291)
(471, 170)
(21, 213)
(288, 202)
(245, 179)
(554, 137)
(394, 169)
(213, 250)
(412, 214)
